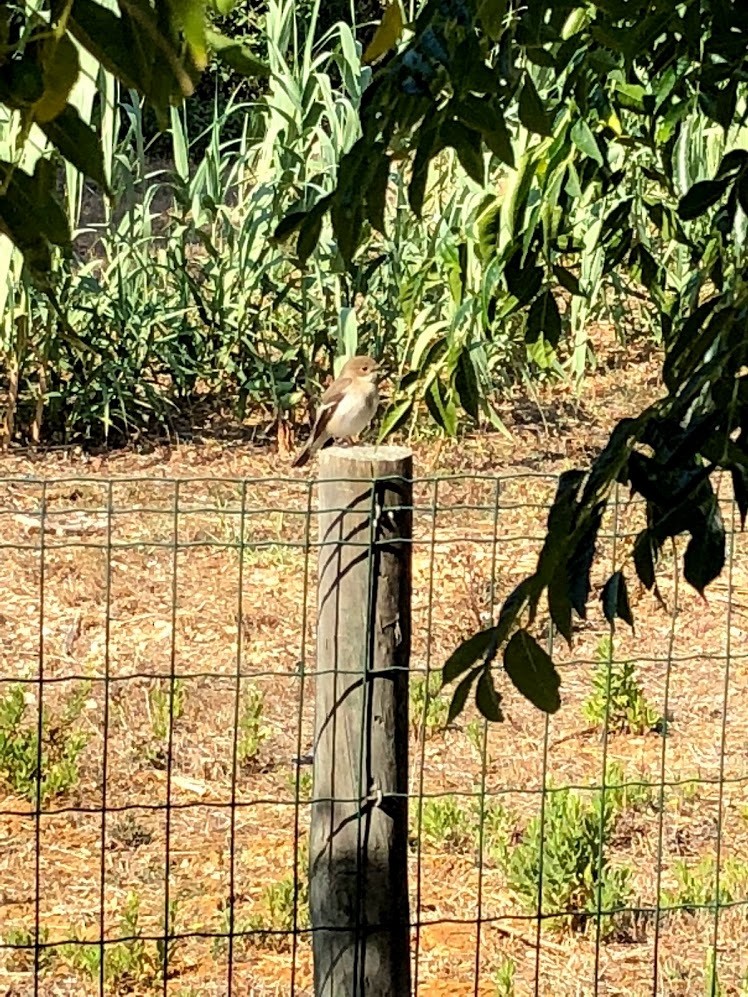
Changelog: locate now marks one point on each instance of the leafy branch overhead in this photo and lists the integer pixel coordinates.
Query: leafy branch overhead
(157, 47)
(585, 112)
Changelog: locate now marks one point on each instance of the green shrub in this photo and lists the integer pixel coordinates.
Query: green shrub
(63, 740)
(577, 878)
(446, 825)
(166, 701)
(130, 966)
(271, 924)
(696, 884)
(20, 959)
(617, 697)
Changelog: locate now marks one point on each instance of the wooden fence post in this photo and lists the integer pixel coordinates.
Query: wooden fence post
(358, 853)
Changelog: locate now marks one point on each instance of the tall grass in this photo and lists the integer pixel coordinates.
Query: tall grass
(177, 302)
(178, 299)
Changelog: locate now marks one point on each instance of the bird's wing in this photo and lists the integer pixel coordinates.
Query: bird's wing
(328, 403)
(335, 392)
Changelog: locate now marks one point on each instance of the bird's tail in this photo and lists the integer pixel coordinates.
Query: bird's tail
(302, 457)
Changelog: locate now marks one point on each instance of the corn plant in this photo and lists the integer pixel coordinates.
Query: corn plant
(185, 292)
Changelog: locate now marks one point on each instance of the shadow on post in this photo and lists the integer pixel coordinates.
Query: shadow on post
(358, 883)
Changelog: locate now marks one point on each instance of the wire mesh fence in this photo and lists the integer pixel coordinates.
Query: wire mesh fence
(157, 722)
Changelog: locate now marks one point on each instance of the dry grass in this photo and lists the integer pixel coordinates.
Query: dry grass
(116, 605)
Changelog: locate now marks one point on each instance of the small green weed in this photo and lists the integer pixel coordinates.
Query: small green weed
(128, 831)
(625, 793)
(252, 732)
(617, 697)
(130, 966)
(497, 830)
(446, 825)
(712, 986)
(272, 924)
(305, 785)
(428, 707)
(572, 848)
(63, 740)
(475, 732)
(21, 958)
(159, 696)
(696, 884)
(504, 978)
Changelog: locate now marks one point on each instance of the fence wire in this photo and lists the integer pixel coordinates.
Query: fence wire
(156, 732)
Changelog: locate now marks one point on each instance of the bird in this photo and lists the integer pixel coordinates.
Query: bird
(346, 407)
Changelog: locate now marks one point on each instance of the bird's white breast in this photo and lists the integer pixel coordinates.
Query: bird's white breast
(354, 412)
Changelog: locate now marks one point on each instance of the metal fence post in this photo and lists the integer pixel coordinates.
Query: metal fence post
(358, 882)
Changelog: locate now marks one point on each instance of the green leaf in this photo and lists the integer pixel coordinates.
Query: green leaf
(705, 554)
(485, 116)
(487, 699)
(103, 33)
(30, 206)
(223, 7)
(466, 385)
(60, 71)
(532, 112)
(532, 671)
(645, 555)
(552, 568)
(395, 417)
(440, 407)
(387, 34)
(497, 138)
(190, 15)
(475, 647)
(701, 197)
(615, 599)
(21, 82)
(581, 558)
(567, 280)
(376, 191)
(459, 698)
(491, 14)
(739, 476)
(544, 320)
(429, 145)
(732, 162)
(236, 54)
(559, 604)
(309, 234)
(30, 214)
(585, 141)
(742, 189)
(467, 145)
(289, 224)
(78, 143)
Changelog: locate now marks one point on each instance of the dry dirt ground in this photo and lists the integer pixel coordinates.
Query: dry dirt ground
(105, 603)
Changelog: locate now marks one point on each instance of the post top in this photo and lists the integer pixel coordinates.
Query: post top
(367, 454)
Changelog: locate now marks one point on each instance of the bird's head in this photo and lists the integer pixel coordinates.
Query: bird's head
(362, 367)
